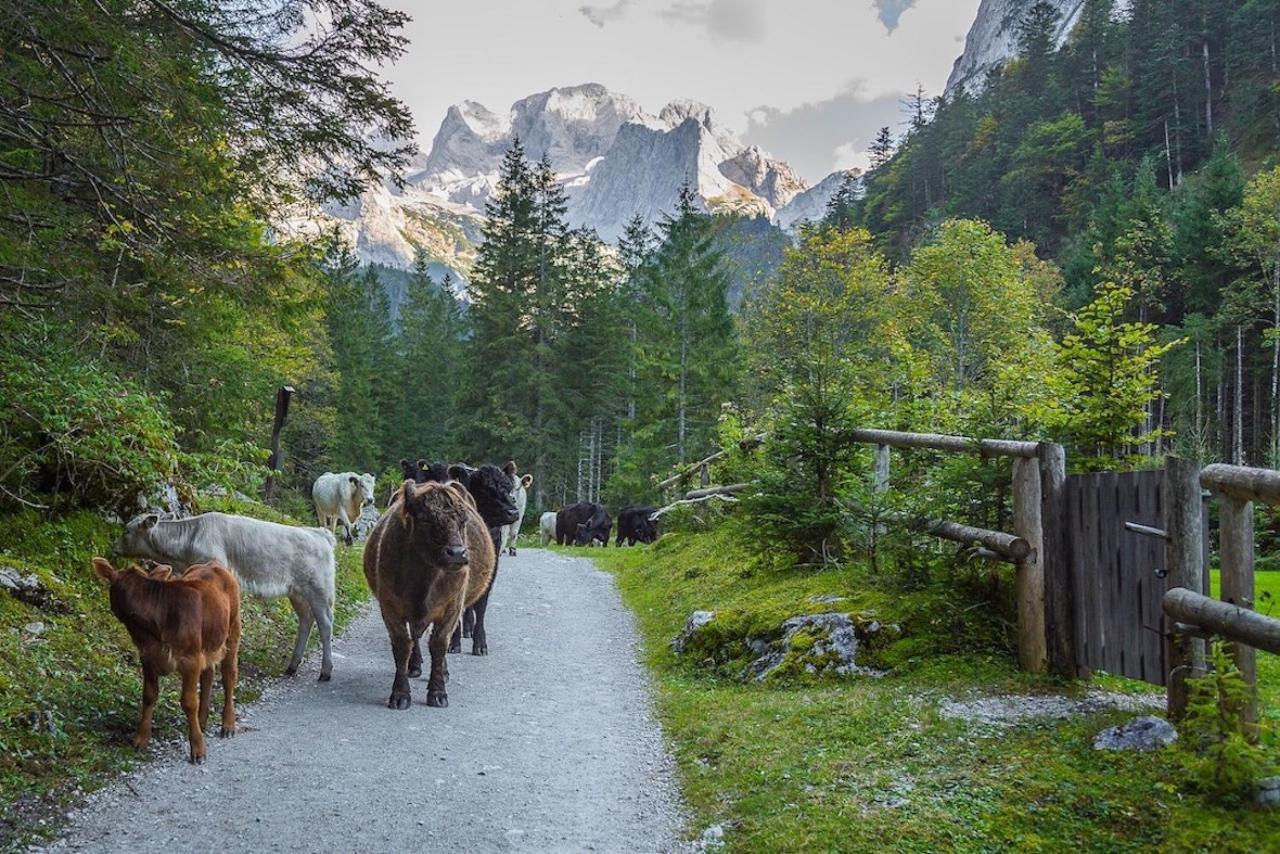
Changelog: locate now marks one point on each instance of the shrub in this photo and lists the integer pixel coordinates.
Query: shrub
(73, 433)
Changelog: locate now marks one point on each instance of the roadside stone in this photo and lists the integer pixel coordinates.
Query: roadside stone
(818, 645)
(1143, 734)
(696, 621)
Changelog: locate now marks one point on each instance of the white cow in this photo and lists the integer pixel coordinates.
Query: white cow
(547, 526)
(341, 498)
(519, 497)
(270, 560)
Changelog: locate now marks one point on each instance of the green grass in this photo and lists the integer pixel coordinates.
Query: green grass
(82, 668)
(868, 764)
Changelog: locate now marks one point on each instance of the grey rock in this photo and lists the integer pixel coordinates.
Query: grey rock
(25, 588)
(36, 629)
(696, 621)
(993, 38)
(828, 599)
(833, 653)
(1143, 734)
(1266, 793)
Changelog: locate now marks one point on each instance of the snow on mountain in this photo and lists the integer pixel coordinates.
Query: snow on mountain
(613, 158)
(811, 205)
(993, 38)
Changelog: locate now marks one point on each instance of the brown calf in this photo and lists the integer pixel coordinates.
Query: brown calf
(189, 624)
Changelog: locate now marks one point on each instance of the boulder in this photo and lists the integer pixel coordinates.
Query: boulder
(1266, 793)
(816, 645)
(25, 588)
(1143, 734)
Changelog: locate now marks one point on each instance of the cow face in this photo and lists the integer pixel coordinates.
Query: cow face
(491, 487)
(438, 512)
(363, 486)
(137, 539)
(411, 471)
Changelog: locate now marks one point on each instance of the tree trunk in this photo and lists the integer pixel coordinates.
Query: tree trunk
(1208, 86)
(1275, 366)
(1237, 452)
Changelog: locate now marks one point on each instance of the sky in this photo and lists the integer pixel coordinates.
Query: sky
(809, 81)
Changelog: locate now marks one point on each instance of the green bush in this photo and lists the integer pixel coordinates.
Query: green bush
(73, 434)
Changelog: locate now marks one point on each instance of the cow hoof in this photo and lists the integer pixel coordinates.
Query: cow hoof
(415, 672)
(291, 671)
(348, 541)
(399, 701)
(197, 758)
(455, 646)
(325, 677)
(466, 633)
(227, 732)
(511, 552)
(481, 648)
(439, 699)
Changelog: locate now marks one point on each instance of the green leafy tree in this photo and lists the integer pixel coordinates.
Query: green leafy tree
(1105, 381)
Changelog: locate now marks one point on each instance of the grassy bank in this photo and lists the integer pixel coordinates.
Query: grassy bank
(70, 686)
(870, 763)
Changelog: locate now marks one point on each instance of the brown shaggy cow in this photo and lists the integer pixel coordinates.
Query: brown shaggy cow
(428, 558)
(189, 624)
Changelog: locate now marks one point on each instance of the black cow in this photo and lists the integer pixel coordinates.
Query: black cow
(491, 488)
(634, 524)
(582, 524)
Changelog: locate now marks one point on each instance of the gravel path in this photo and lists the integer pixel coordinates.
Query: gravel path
(548, 744)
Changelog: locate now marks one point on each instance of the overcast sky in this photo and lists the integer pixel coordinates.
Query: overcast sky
(810, 81)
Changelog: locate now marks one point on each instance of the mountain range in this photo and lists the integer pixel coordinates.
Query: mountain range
(614, 160)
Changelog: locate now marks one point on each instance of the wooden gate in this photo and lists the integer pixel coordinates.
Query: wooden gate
(1116, 523)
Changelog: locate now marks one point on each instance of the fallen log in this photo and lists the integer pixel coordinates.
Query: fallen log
(658, 514)
(731, 489)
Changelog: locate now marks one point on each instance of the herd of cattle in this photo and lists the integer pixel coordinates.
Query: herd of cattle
(431, 560)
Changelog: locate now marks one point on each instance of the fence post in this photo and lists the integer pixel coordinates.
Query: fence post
(1059, 620)
(1028, 523)
(273, 462)
(1184, 557)
(1236, 554)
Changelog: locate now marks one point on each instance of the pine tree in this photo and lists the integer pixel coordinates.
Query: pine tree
(687, 340)
(881, 149)
(429, 372)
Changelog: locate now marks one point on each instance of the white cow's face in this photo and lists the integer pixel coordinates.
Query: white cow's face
(364, 486)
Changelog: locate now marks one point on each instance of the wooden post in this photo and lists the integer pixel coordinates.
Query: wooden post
(273, 462)
(880, 478)
(1236, 553)
(1059, 619)
(1029, 582)
(1184, 557)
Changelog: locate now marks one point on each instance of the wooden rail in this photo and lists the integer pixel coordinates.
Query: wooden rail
(1002, 546)
(954, 444)
(1232, 622)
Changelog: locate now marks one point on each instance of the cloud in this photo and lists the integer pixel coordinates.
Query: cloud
(731, 20)
(822, 136)
(601, 15)
(890, 11)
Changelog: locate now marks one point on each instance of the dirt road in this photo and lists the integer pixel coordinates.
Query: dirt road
(548, 744)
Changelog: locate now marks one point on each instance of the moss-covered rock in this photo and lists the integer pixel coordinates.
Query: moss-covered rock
(806, 646)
